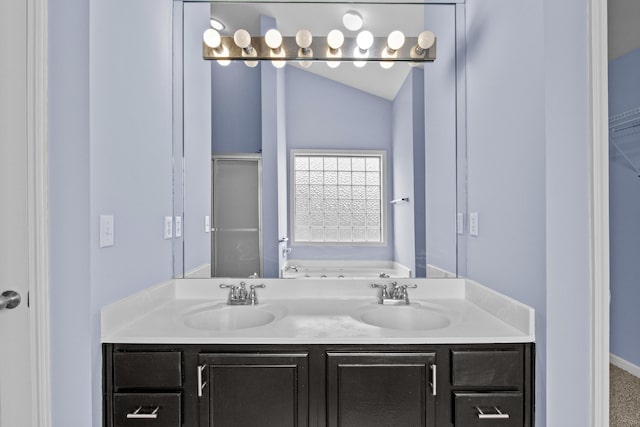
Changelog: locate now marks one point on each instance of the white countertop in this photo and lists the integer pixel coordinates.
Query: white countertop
(319, 311)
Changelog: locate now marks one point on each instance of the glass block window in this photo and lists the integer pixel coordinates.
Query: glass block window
(338, 197)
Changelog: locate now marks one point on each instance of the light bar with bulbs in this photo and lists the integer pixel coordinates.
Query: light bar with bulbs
(332, 48)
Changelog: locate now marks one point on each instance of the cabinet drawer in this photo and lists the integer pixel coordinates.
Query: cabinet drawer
(498, 368)
(146, 410)
(488, 410)
(147, 370)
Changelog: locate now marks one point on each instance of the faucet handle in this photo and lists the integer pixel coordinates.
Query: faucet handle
(233, 291)
(410, 286)
(252, 295)
(384, 294)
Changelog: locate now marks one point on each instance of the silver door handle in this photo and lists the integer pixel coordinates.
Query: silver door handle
(201, 384)
(434, 384)
(497, 415)
(9, 300)
(137, 414)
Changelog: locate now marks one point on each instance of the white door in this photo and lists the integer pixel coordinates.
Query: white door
(15, 358)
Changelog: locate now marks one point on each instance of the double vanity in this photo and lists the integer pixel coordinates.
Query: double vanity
(318, 352)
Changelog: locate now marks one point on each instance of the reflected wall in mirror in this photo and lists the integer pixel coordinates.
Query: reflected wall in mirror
(325, 208)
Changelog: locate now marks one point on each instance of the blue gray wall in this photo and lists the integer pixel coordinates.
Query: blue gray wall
(110, 153)
(236, 112)
(567, 155)
(409, 173)
(528, 156)
(440, 117)
(197, 139)
(324, 114)
(69, 206)
(624, 193)
(130, 115)
(506, 159)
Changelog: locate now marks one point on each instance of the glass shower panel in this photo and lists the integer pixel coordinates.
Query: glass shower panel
(237, 228)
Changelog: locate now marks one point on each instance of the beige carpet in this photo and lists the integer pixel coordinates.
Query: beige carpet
(624, 398)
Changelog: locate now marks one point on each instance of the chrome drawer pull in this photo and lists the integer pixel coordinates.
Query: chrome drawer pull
(147, 415)
(497, 415)
(201, 384)
(433, 382)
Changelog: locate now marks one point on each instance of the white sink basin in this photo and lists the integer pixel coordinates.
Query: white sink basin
(222, 317)
(404, 317)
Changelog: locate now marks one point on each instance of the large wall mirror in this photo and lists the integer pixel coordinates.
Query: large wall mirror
(318, 168)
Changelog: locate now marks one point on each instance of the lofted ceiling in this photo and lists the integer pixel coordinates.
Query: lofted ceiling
(320, 18)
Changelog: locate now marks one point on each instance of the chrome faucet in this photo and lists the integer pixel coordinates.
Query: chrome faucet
(397, 295)
(238, 295)
(291, 267)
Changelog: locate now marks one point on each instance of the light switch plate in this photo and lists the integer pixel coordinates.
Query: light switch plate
(168, 227)
(106, 231)
(460, 223)
(178, 226)
(473, 224)
(207, 224)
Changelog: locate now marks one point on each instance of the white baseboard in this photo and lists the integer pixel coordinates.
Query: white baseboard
(624, 364)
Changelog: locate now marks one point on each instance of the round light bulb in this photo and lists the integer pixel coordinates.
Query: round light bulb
(333, 64)
(386, 64)
(305, 64)
(426, 39)
(212, 38)
(395, 40)
(364, 40)
(279, 64)
(359, 64)
(352, 20)
(242, 38)
(273, 39)
(304, 38)
(224, 62)
(335, 39)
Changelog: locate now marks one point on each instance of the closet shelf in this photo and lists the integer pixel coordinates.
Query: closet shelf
(623, 125)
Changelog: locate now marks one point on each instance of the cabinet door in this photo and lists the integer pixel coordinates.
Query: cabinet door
(253, 390)
(381, 389)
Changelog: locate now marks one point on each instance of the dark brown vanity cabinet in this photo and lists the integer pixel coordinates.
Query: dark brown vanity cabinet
(320, 385)
(381, 389)
(253, 390)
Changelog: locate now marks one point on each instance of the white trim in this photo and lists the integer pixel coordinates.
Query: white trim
(624, 364)
(37, 188)
(599, 215)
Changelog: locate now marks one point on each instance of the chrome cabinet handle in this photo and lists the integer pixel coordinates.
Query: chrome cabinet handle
(497, 415)
(201, 384)
(433, 382)
(9, 300)
(147, 415)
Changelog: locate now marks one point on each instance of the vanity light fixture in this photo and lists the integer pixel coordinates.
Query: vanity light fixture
(273, 40)
(395, 41)
(335, 40)
(426, 40)
(304, 38)
(352, 20)
(242, 39)
(364, 41)
(304, 48)
(213, 40)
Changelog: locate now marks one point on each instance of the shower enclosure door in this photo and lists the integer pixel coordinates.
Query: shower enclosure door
(236, 240)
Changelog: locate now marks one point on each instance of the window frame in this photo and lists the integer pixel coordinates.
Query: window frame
(381, 154)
